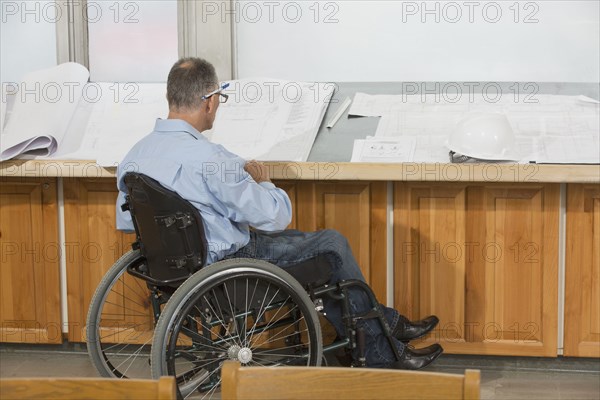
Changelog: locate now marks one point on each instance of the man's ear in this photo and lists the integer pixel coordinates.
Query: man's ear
(212, 103)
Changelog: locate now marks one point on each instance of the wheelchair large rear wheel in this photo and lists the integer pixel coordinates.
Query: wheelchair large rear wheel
(120, 322)
(239, 309)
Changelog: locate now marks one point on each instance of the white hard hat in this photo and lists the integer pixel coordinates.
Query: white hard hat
(487, 136)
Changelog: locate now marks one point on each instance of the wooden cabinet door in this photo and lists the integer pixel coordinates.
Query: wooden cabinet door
(93, 245)
(484, 258)
(29, 273)
(358, 210)
(582, 276)
(429, 254)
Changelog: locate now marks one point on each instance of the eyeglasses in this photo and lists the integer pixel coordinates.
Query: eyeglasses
(222, 96)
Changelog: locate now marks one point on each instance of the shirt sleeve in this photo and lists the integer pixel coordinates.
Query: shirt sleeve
(261, 205)
(124, 222)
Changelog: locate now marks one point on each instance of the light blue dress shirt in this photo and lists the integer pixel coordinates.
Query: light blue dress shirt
(212, 179)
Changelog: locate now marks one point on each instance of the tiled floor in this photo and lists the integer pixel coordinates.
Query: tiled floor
(529, 378)
(534, 385)
(502, 377)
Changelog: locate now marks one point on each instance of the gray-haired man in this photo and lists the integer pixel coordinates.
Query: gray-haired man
(234, 195)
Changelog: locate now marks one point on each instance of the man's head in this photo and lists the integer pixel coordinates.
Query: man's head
(189, 80)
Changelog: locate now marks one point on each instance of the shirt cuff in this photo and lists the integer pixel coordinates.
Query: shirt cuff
(267, 185)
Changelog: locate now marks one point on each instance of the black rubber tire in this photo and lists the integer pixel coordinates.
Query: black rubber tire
(115, 360)
(185, 304)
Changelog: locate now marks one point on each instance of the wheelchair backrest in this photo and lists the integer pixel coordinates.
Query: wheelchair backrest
(169, 230)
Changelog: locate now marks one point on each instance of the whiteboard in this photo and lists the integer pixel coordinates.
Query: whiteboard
(379, 41)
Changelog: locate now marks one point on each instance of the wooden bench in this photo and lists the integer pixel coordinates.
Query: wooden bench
(88, 389)
(311, 383)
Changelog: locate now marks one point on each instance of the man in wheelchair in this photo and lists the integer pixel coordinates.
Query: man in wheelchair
(245, 216)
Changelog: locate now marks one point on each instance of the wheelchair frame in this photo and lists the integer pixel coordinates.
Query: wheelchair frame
(168, 259)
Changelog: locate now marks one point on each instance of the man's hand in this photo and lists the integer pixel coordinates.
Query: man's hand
(258, 171)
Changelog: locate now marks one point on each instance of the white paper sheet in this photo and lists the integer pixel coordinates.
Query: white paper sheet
(384, 150)
(271, 120)
(107, 127)
(276, 125)
(2, 111)
(553, 129)
(115, 125)
(367, 105)
(43, 109)
(569, 150)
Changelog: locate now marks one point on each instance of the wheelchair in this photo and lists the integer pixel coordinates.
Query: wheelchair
(161, 310)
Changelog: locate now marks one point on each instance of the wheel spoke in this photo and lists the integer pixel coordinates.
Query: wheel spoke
(120, 322)
(254, 315)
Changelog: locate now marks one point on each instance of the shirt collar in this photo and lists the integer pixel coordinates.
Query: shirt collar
(177, 125)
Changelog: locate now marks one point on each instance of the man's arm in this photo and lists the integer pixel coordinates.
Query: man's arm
(249, 196)
(258, 171)
(124, 222)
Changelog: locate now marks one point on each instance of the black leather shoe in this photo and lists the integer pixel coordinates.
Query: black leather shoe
(406, 330)
(418, 358)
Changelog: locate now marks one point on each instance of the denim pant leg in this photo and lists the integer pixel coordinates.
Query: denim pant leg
(291, 247)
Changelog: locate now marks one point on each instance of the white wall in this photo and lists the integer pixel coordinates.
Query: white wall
(132, 41)
(28, 37)
(362, 40)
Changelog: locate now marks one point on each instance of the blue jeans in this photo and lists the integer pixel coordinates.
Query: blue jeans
(291, 247)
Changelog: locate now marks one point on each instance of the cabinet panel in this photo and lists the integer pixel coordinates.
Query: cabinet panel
(582, 287)
(484, 258)
(29, 276)
(358, 211)
(430, 254)
(90, 233)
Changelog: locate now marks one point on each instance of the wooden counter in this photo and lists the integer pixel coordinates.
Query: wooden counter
(506, 254)
(326, 171)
